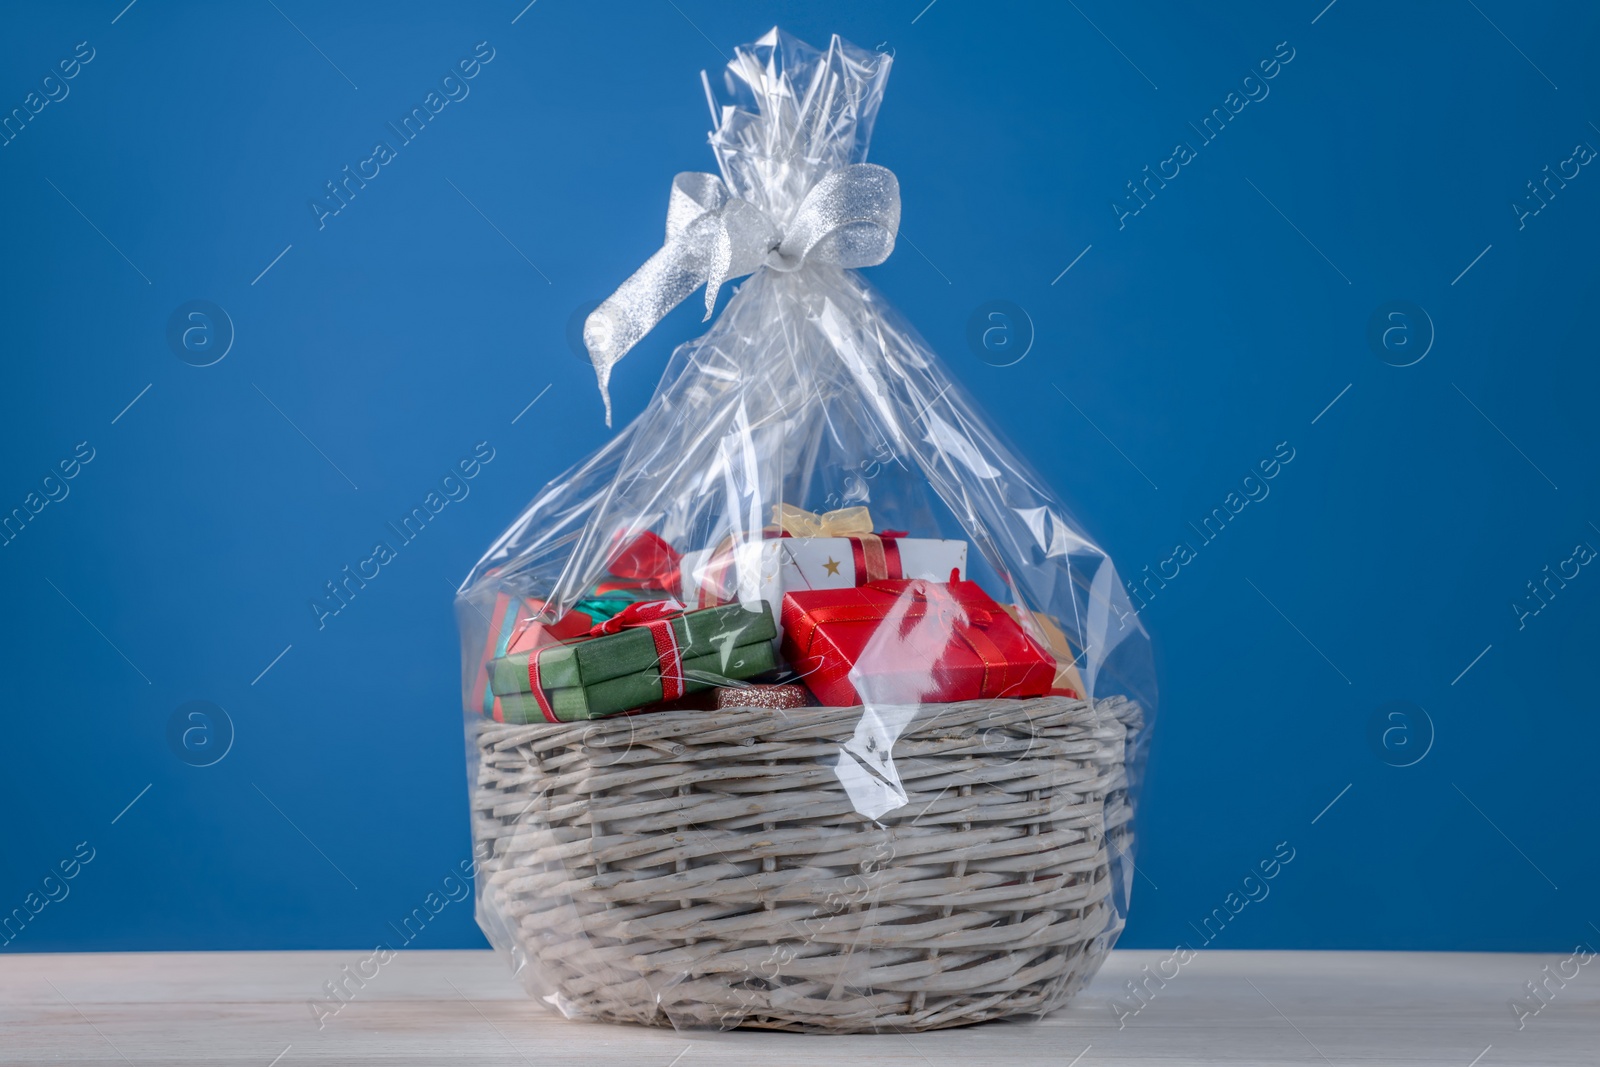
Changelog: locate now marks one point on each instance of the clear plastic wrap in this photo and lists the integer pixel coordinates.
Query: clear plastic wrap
(802, 704)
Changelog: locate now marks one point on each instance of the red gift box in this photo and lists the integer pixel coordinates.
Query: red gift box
(910, 642)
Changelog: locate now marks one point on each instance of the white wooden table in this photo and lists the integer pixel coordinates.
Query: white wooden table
(1236, 1008)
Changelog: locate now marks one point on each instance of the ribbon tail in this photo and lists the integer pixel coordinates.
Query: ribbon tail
(723, 243)
(717, 269)
(624, 317)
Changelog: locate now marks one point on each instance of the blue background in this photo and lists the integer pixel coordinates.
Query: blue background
(378, 350)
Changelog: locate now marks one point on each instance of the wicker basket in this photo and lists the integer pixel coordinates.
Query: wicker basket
(700, 868)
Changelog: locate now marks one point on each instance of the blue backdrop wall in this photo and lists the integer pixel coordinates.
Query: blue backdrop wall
(1362, 234)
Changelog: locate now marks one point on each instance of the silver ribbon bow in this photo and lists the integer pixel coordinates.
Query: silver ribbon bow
(848, 219)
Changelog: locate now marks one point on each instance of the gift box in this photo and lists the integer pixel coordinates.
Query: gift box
(503, 625)
(1068, 682)
(640, 569)
(835, 550)
(629, 646)
(513, 627)
(650, 652)
(633, 691)
(909, 642)
(770, 697)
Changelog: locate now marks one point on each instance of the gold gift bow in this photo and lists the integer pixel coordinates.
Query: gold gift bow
(843, 522)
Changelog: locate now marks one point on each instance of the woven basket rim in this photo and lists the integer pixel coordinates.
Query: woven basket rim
(1120, 706)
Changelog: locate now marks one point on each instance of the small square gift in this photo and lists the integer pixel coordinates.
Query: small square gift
(806, 550)
(649, 653)
(910, 642)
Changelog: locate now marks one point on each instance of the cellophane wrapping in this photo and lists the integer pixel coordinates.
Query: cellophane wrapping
(953, 839)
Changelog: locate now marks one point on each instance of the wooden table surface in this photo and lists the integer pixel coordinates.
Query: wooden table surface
(1236, 1008)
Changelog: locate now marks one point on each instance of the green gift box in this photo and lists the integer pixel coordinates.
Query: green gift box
(619, 671)
(631, 691)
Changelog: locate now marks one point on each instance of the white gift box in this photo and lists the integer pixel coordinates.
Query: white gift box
(765, 570)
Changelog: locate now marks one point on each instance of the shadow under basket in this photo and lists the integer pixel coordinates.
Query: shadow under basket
(714, 868)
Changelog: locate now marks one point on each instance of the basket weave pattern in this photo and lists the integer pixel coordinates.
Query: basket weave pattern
(710, 869)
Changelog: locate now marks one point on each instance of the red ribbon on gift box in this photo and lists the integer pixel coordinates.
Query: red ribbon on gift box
(876, 556)
(538, 690)
(655, 616)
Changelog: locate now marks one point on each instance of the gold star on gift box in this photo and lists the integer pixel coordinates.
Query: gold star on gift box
(831, 566)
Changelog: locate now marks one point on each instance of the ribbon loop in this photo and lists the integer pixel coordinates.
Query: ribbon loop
(845, 522)
(639, 613)
(643, 561)
(848, 219)
(693, 194)
(655, 617)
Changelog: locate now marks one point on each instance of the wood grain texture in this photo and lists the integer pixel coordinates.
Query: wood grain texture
(1237, 1008)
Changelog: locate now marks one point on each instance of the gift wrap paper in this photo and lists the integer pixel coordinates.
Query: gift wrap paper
(630, 651)
(621, 671)
(910, 642)
(765, 570)
(632, 691)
